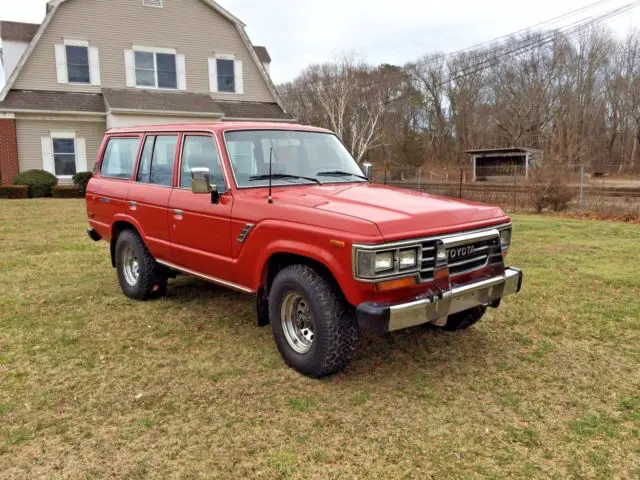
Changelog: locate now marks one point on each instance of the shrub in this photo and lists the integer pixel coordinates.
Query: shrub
(67, 191)
(81, 179)
(549, 189)
(14, 191)
(39, 182)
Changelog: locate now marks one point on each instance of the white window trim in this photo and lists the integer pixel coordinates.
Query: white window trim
(152, 6)
(75, 43)
(64, 136)
(225, 56)
(154, 50)
(141, 48)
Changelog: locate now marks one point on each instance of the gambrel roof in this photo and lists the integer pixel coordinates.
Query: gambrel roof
(53, 5)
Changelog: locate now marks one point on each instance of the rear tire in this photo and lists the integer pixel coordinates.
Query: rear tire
(463, 320)
(140, 277)
(313, 328)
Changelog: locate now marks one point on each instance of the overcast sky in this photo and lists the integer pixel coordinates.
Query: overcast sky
(300, 32)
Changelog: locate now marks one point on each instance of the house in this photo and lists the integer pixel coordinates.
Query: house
(96, 64)
(502, 164)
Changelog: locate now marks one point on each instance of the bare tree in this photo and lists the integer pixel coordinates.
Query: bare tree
(577, 96)
(346, 96)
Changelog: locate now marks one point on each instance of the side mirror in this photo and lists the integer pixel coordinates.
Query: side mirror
(200, 180)
(201, 183)
(367, 169)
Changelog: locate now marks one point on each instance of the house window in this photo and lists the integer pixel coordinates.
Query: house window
(155, 70)
(226, 75)
(78, 64)
(64, 156)
(152, 3)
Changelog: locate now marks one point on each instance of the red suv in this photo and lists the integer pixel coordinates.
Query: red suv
(285, 213)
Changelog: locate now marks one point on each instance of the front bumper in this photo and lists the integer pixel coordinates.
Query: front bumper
(435, 307)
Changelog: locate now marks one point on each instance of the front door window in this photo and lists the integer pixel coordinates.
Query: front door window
(199, 151)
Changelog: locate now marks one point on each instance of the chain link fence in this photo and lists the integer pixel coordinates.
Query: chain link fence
(602, 190)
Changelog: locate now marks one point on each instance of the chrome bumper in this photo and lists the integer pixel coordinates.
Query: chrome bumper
(432, 308)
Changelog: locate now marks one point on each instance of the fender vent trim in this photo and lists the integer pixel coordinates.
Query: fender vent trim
(245, 232)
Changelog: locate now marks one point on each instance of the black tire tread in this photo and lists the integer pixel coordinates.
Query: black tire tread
(340, 341)
(262, 308)
(152, 282)
(465, 319)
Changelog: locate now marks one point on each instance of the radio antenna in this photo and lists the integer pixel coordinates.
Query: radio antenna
(270, 200)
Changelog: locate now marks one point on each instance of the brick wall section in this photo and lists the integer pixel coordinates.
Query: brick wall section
(9, 165)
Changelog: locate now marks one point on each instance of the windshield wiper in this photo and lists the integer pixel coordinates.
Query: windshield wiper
(340, 173)
(276, 176)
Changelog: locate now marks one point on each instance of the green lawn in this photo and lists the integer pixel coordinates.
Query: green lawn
(93, 384)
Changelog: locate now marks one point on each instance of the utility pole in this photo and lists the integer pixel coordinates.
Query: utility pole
(582, 188)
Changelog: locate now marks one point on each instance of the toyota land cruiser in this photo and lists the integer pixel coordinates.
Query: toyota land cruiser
(285, 213)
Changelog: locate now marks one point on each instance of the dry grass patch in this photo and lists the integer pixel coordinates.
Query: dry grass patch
(94, 385)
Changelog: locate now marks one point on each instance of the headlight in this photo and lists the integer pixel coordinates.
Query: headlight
(505, 238)
(408, 258)
(365, 264)
(387, 262)
(384, 261)
(368, 263)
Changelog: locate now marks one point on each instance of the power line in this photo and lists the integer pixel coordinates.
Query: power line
(525, 46)
(549, 37)
(528, 45)
(541, 25)
(484, 61)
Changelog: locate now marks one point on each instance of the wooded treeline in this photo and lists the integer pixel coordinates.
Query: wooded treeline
(575, 96)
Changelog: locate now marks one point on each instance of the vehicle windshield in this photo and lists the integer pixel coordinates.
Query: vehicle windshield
(298, 157)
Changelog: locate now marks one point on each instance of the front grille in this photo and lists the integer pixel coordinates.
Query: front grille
(428, 263)
(461, 258)
(464, 258)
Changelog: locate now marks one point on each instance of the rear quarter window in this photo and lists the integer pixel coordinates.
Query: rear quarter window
(119, 157)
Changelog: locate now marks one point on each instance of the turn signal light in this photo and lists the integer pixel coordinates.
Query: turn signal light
(395, 284)
(441, 274)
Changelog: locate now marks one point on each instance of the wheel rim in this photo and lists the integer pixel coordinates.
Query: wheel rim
(130, 266)
(297, 322)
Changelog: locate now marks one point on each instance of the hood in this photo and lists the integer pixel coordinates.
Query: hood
(398, 213)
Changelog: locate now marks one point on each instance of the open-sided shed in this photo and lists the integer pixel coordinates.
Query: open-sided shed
(497, 163)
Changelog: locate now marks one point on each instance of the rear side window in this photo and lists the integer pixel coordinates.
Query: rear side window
(158, 157)
(145, 159)
(120, 157)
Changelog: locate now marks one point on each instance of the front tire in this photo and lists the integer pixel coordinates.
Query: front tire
(313, 328)
(140, 277)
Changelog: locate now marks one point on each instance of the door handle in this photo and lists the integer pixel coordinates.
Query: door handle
(177, 214)
(133, 205)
